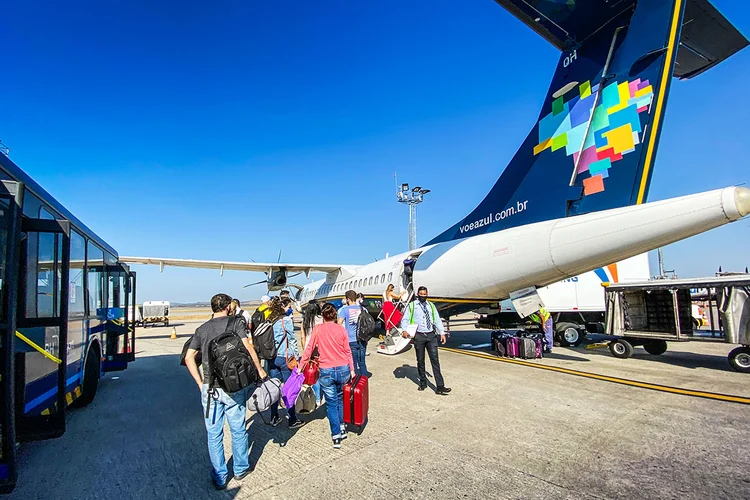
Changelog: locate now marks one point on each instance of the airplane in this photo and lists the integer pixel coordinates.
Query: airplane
(573, 198)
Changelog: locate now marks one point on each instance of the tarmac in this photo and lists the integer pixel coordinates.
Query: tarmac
(506, 431)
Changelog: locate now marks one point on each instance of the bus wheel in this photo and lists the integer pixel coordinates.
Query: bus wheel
(739, 358)
(621, 348)
(91, 372)
(655, 347)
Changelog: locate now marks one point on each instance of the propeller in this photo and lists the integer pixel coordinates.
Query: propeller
(256, 283)
(278, 261)
(266, 280)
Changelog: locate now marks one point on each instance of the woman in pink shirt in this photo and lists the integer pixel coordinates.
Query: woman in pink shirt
(336, 367)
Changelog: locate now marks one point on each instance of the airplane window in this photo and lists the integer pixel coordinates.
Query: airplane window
(382, 278)
(370, 281)
(376, 279)
(390, 277)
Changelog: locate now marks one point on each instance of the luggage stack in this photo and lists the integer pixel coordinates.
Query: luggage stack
(522, 345)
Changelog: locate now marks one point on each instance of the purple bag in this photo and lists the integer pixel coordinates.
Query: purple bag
(292, 387)
(538, 343)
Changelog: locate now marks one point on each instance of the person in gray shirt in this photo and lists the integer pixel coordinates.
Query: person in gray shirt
(229, 406)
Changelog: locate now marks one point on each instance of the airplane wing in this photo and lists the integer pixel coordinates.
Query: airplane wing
(222, 265)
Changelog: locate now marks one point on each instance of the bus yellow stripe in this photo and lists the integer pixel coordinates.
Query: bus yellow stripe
(616, 380)
(660, 103)
(36, 347)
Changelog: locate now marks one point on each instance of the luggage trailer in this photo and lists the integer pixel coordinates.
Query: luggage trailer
(655, 312)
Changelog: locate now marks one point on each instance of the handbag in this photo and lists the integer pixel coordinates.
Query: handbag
(291, 388)
(265, 395)
(291, 361)
(312, 371)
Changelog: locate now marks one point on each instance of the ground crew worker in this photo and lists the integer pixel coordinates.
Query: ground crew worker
(425, 316)
(544, 318)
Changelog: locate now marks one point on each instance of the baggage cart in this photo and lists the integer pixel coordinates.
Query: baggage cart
(155, 311)
(655, 312)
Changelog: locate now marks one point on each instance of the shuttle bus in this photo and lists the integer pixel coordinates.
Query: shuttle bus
(63, 298)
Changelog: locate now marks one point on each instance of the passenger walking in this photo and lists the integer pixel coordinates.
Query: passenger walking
(311, 318)
(544, 319)
(286, 342)
(229, 406)
(237, 310)
(348, 316)
(390, 294)
(424, 315)
(336, 368)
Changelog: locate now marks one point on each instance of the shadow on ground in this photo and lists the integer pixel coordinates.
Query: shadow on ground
(148, 418)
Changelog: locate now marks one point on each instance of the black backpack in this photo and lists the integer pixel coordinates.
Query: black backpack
(365, 325)
(264, 341)
(261, 332)
(229, 362)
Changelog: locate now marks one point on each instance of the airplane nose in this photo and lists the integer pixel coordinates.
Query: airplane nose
(742, 200)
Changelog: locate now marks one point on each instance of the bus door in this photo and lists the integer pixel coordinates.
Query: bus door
(120, 332)
(41, 344)
(11, 201)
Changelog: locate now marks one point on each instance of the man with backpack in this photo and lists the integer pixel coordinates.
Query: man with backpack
(231, 334)
(348, 318)
(424, 315)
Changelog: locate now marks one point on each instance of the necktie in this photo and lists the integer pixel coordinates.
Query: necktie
(427, 316)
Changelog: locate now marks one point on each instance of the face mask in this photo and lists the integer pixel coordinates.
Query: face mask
(422, 298)
(289, 312)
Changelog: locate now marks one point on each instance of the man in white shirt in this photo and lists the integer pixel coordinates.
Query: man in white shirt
(424, 315)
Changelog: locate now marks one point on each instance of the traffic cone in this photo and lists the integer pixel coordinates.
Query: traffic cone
(174, 333)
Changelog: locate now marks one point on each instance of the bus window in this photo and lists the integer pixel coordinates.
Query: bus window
(77, 260)
(95, 272)
(109, 259)
(43, 275)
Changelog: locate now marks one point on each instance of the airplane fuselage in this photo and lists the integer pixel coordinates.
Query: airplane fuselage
(464, 274)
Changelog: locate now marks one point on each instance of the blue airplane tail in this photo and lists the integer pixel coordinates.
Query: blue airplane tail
(594, 144)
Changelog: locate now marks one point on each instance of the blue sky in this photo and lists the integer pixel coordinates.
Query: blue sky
(235, 129)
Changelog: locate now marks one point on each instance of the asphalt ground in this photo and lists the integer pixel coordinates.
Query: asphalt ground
(506, 431)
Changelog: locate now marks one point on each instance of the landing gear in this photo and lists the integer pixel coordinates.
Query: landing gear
(621, 348)
(655, 347)
(739, 359)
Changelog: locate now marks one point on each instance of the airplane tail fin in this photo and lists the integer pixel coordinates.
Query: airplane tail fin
(594, 145)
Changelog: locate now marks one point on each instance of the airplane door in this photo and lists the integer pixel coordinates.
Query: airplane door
(42, 342)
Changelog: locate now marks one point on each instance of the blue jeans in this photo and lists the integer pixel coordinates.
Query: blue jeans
(549, 334)
(332, 382)
(316, 390)
(279, 370)
(358, 356)
(233, 408)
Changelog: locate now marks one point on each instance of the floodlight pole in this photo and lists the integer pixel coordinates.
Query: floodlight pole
(412, 197)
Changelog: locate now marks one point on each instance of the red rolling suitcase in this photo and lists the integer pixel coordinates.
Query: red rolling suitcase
(356, 401)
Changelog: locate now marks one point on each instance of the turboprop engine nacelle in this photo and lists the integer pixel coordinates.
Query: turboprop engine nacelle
(277, 280)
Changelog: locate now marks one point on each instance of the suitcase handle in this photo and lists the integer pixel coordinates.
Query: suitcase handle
(354, 384)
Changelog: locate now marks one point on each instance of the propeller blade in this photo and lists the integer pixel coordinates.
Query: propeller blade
(256, 283)
(279, 259)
